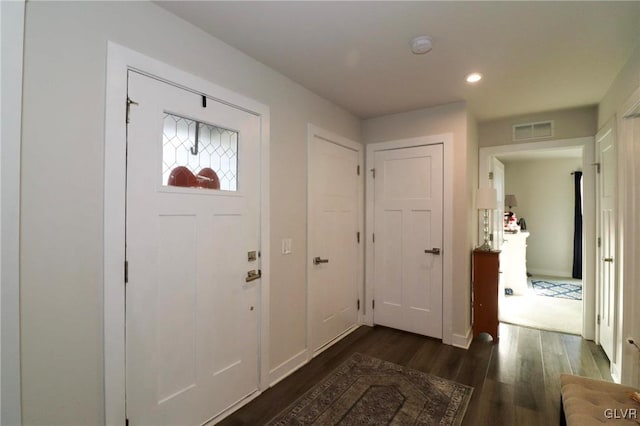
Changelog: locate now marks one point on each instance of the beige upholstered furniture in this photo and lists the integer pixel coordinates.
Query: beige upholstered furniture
(587, 402)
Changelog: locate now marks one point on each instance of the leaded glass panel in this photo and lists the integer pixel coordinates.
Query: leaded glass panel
(199, 155)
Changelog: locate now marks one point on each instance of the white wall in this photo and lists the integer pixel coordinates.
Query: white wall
(567, 123)
(545, 192)
(625, 83)
(62, 181)
(12, 18)
(430, 121)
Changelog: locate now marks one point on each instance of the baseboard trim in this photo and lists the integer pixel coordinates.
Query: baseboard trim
(549, 273)
(615, 373)
(285, 369)
(234, 407)
(335, 340)
(460, 341)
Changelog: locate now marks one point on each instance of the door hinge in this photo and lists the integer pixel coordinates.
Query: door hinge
(490, 175)
(204, 101)
(358, 170)
(599, 241)
(358, 304)
(373, 173)
(373, 237)
(358, 237)
(597, 167)
(126, 422)
(129, 102)
(373, 304)
(598, 319)
(126, 271)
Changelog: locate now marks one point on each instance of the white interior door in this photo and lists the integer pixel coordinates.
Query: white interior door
(606, 153)
(334, 195)
(408, 238)
(191, 309)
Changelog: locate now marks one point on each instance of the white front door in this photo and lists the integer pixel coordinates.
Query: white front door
(333, 240)
(606, 154)
(408, 239)
(192, 217)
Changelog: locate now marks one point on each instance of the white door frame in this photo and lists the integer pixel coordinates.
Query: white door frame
(119, 60)
(12, 24)
(312, 132)
(448, 337)
(498, 216)
(589, 226)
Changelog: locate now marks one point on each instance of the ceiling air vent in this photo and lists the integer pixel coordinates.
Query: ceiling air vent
(525, 131)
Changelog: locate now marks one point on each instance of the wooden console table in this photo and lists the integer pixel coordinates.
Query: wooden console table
(486, 266)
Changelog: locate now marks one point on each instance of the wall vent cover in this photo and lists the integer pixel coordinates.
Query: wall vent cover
(538, 130)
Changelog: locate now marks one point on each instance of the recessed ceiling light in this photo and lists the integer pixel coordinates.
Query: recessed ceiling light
(421, 45)
(474, 77)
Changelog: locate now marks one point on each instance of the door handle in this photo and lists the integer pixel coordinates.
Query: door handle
(253, 275)
(608, 259)
(317, 261)
(434, 250)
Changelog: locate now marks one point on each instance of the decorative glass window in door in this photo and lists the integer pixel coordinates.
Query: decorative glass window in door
(198, 155)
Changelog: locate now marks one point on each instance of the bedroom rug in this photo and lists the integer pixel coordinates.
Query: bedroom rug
(370, 391)
(557, 289)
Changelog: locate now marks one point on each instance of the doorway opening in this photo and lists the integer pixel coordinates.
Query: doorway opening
(537, 284)
(538, 287)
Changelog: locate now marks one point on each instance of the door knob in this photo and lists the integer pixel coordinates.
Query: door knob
(434, 250)
(317, 261)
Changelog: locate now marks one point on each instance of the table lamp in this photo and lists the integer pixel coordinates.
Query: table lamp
(510, 200)
(486, 199)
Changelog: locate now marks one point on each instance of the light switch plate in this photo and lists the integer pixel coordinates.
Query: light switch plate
(286, 246)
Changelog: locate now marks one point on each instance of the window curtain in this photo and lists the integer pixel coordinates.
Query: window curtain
(577, 233)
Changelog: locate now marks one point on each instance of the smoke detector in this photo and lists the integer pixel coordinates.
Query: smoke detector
(421, 45)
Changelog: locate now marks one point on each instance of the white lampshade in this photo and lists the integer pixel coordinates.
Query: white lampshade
(487, 198)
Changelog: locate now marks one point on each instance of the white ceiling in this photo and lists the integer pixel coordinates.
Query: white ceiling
(535, 56)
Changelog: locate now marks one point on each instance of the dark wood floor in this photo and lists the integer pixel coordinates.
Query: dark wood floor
(516, 382)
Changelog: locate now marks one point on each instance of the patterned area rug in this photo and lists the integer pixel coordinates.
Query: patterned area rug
(369, 391)
(557, 289)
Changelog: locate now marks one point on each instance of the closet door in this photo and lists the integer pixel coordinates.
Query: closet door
(408, 239)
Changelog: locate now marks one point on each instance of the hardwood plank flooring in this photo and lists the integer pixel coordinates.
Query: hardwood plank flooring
(516, 381)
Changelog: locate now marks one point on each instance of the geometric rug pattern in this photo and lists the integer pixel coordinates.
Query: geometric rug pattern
(369, 391)
(557, 289)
